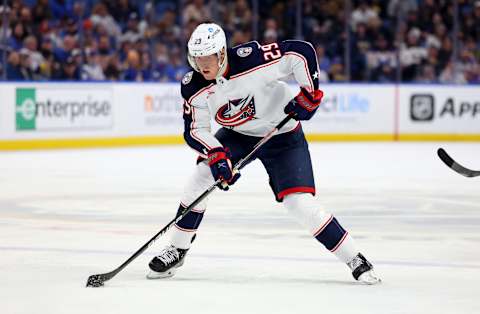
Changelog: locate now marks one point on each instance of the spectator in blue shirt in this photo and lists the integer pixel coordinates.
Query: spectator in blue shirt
(15, 41)
(13, 68)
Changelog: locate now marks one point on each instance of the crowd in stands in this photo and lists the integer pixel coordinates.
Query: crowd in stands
(144, 40)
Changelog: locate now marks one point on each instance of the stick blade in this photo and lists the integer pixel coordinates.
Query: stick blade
(95, 281)
(455, 166)
(445, 157)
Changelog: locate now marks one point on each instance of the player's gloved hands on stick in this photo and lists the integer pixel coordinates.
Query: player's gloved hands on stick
(304, 104)
(221, 167)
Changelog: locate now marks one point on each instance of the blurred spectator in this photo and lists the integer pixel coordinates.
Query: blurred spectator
(176, 69)
(25, 17)
(427, 75)
(77, 56)
(337, 72)
(133, 69)
(197, 10)
(383, 73)
(104, 46)
(362, 14)
(125, 48)
(411, 54)
(41, 11)
(361, 43)
(323, 60)
(36, 58)
(69, 71)
(472, 75)
(271, 33)
(122, 10)
(60, 8)
(13, 68)
(132, 32)
(426, 11)
(112, 68)
(381, 53)
(46, 67)
(160, 62)
(25, 67)
(466, 60)
(101, 16)
(240, 15)
(92, 69)
(78, 13)
(402, 7)
(63, 52)
(18, 35)
(71, 28)
(445, 52)
(449, 75)
(146, 66)
(240, 37)
(166, 24)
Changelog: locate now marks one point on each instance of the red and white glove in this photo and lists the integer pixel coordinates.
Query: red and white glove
(305, 104)
(221, 167)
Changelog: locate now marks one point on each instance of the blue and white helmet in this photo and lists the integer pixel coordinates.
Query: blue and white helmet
(207, 39)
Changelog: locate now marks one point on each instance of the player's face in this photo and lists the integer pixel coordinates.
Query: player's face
(208, 66)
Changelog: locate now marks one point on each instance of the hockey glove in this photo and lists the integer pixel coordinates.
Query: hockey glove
(304, 104)
(221, 167)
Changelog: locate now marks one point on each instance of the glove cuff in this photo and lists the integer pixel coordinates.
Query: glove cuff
(216, 154)
(309, 101)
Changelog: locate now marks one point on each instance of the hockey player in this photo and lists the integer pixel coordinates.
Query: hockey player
(240, 88)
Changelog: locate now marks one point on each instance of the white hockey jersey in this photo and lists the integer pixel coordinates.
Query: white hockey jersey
(249, 98)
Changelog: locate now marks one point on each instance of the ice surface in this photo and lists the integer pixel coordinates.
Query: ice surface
(65, 215)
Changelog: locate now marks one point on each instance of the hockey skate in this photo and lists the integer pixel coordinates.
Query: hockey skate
(166, 263)
(362, 270)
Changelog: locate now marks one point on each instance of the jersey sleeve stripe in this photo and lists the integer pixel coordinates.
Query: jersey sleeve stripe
(189, 137)
(192, 132)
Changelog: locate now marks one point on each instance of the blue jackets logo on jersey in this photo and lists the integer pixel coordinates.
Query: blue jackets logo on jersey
(236, 112)
(244, 51)
(187, 78)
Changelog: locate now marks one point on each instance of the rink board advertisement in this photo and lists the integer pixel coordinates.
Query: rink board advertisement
(47, 108)
(149, 109)
(426, 109)
(53, 115)
(354, 110)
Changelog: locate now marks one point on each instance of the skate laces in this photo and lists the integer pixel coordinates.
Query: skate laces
(169, 255)
(355, 262)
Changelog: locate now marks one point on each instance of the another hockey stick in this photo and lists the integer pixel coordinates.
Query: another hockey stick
(98, 280)
(455, 166)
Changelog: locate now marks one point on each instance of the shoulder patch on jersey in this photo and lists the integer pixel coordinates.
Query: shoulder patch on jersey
(193, 82)
(244, 57)
(244, 51)
(187, 78)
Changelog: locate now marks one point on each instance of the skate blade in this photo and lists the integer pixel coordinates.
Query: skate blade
(156, 275)
(369, 278)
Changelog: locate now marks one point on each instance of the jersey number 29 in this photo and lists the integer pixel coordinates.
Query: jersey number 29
(271, 51)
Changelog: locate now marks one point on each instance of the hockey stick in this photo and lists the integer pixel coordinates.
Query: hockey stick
(455, 166)
(98, 280)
